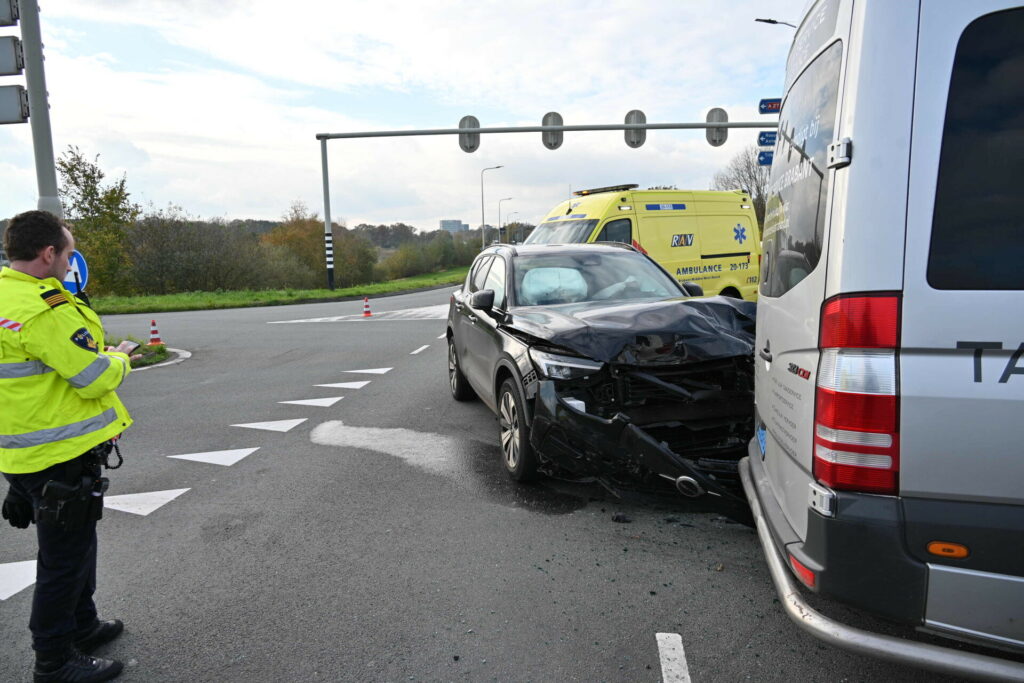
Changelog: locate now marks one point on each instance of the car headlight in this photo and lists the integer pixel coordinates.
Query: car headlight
(553, 366)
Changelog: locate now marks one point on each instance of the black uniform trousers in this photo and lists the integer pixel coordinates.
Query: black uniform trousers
(66, 564)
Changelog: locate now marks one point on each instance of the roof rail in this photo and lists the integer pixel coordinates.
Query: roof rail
(612, 188)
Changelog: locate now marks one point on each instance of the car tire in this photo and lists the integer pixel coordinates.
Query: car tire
(461, 391)
(517, 454)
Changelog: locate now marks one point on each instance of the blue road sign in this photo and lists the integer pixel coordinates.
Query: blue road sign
(765, 158)
(770, 106)
(766, 138)
(77, 263)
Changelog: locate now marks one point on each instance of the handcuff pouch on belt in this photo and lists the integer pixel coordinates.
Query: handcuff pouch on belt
(77, 499)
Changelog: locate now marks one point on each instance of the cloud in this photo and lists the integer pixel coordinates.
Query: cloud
(214, 106)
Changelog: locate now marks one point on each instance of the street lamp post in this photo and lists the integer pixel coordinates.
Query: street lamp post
(483, 220)
(506, 199)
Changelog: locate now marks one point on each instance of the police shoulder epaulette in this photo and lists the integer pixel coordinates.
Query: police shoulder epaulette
(54, 298)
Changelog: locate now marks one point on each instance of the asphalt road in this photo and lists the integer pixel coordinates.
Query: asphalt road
(379, 539)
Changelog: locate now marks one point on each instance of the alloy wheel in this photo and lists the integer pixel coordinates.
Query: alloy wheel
(509, 421)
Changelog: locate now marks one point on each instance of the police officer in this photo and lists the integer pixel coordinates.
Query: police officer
(58, 416)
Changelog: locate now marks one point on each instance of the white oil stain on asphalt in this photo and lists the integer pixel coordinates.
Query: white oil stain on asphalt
(16, 577)
(420, 350)
(673, 658)
(142, 503)
(430, 452)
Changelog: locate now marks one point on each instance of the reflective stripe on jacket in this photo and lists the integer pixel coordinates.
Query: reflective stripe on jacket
(57, 383)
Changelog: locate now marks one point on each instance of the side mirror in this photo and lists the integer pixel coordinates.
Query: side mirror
(482, 300)
(692, 288)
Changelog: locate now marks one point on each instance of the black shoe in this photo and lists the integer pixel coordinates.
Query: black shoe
(76, 668)
(100, 633)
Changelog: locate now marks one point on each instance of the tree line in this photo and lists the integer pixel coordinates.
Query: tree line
(131, 250)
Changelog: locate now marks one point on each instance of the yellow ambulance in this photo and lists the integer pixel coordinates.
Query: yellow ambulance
(711, 238)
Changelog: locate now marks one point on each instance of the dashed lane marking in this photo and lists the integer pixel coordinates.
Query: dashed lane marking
(420, 350)
(16, 577)
(442, 336)
(371, 371)
(142, 503)
(275, 426)
(673, 658)
(226, 458)
(317, 402)
(439, 312)
(345, 385)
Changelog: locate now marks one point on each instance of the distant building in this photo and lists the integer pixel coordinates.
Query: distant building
(454, 225)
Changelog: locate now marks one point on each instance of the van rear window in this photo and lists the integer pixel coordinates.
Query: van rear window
(978, 228)
(794, 216)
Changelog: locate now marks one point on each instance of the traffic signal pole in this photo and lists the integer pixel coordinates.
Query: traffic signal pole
(634, 130)
(39, 109)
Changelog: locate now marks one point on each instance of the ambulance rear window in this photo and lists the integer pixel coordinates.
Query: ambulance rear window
(562, 232)
(978, 229)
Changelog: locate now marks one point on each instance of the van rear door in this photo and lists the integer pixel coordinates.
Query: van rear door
(793, 271)
(962, 356)
(962, 347)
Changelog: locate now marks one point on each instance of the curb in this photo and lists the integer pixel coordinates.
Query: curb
(180, 357)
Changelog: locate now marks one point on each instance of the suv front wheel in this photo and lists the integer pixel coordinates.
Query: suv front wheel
(516, 452)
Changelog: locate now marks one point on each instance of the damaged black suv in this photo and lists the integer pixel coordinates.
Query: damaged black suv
(600, 364)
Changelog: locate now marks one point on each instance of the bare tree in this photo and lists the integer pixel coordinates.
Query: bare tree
(744, 173)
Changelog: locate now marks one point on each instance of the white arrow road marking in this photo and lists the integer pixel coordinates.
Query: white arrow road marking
(142, 503)
(431, 452)
(345, 385)
(226, 458)
(16, 577)
(420, 350)
(673, 658)
(371, 371)
(318, 402)
(275, 426)
(438, 312)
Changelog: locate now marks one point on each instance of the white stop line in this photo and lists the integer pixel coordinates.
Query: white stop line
(673, 658)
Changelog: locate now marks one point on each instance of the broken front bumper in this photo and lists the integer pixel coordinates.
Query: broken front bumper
(588, 445)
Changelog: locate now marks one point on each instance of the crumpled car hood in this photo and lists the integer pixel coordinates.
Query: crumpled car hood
(640, 332)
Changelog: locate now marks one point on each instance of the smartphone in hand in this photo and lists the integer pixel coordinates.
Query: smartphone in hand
(128, 347)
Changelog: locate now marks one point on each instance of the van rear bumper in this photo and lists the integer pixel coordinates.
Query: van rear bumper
(935, 658)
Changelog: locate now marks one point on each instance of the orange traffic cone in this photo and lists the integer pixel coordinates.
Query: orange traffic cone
(366, 307)
(154, 335)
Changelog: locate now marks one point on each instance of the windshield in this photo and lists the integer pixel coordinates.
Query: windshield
(562, 232)
(546, 279)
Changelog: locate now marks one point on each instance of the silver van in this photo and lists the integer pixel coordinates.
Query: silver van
(887, 469)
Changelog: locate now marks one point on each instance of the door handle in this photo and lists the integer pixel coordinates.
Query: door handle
(765, 354)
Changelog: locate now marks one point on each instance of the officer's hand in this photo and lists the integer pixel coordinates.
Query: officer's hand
(17, 510)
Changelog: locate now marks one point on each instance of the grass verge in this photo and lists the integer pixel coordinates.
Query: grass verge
(200, 301)
(151, 355)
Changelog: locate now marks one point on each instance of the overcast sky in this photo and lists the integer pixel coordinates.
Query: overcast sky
(214, 106)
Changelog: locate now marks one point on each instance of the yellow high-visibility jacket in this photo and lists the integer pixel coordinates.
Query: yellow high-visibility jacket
(57, 383)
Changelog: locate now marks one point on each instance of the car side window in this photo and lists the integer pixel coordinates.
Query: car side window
(496, 281)
(619, 230)
(477, 274)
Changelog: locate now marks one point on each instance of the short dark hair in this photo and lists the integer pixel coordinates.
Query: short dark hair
(30, 232)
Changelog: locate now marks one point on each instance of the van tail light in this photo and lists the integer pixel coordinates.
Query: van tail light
(856, 421)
